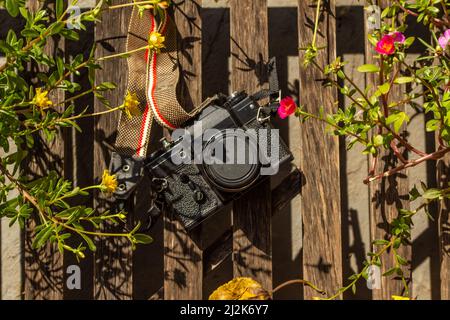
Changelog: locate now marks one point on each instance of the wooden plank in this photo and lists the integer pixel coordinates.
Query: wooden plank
(252, 218)
(282, 195)
(444, 227)
(221, 249)
(321, 208)
(79, 160)
(113, 258)
(43, 268)
(183, 252)
(388, 195)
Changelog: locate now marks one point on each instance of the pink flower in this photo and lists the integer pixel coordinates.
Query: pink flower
(387, 43)
(286, 108)
(398, 37)
(444, 39)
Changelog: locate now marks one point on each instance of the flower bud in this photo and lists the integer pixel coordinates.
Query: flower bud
(163, 5)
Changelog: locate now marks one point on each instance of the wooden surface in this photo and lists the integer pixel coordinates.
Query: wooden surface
(321, 208)
(281, 197)
(387, 197)
(113, 258)
(252, 218)
(444, 229)
(43, 268)
(113, 278)
(183, 255)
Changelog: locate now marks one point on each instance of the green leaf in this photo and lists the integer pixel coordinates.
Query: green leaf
(402, 80)
(384, 88)
(42, 237)
(397, 119)
(57, 27)
(12, 6)
(368, 68)
(106, 86)
(70, 34)
(89, 242)
(414, 194)
(60, 65)
(378, 140)
(432, 125)
(59, 8)
(389, 272)
(409, 41)
(401, 260)
(354, 288)
(380, 242)
(142, 238)
(432, 194)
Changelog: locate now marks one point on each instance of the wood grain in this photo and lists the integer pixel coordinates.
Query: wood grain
(444, 228)
(387, 197)
(43, 268)
(282, 196)
(252, 218)
(113, 258)
(321, 208)
(183, 253)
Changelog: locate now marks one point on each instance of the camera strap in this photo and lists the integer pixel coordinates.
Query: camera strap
(153, 78)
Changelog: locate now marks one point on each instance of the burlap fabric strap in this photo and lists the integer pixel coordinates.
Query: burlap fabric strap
(153, 77)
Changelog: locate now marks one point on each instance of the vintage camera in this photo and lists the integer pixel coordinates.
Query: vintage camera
(226, 149)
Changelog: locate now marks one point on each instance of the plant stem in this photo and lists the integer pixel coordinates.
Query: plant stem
(92, 233)
(357, 88)
(300, 281)
(435, 21)
(402, 141)
(359, 275)
(310, 115)
(95, 114)
(435, 98)
(432, 156)
(27, 196)
(122, 53)
(135, 3)
(316, 24)
(41, 37)
(76, 97)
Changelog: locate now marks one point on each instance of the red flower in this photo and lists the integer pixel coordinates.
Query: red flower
(386, 45)
(287, 107)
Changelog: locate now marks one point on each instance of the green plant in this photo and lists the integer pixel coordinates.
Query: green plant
(376, 119)
(27, 110)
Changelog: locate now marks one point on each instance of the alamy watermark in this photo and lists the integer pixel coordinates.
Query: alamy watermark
(73, 281)
(74, 20)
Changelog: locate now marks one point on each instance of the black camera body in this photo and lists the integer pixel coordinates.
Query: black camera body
(227, 148)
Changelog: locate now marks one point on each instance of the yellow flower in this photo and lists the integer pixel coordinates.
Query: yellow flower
(131, 105)
(240, 289)
(400, 298)
(109, 182)
(41, 100)
(156, 41)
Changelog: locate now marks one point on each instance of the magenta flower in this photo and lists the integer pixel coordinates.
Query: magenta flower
(444, 39)
(286, 108)
(387, 43)
(398, 37)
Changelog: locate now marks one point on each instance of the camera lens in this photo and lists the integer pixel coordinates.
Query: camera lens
(231, 161)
